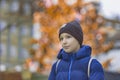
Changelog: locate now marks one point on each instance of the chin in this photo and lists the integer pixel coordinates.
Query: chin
(67, 51)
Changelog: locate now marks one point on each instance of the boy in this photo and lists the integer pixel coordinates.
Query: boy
(74, 57)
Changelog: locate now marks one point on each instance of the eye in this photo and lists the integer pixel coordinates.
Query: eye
(61, 38)
(68, 36)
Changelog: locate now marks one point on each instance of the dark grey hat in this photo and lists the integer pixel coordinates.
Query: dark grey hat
(73, 28)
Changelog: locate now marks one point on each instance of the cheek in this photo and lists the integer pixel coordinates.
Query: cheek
(75, 45)
(71, 41)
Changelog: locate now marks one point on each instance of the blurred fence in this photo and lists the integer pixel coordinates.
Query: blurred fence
(108, 76)
(112, 76)
(37, 76)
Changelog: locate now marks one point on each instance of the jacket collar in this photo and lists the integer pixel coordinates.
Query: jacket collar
(84, 51)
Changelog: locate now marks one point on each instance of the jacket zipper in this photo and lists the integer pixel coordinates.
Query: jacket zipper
(70, 67)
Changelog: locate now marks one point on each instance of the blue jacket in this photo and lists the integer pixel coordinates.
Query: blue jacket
(74, 66)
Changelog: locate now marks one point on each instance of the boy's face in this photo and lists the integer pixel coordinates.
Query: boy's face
(69, 43)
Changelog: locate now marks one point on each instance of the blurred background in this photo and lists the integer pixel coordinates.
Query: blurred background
(29, 35)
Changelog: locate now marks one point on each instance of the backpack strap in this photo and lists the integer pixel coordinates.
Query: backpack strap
(89, 66)
(58, 61)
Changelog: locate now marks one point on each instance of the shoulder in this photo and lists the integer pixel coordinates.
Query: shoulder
(96, 65)
(96, 70)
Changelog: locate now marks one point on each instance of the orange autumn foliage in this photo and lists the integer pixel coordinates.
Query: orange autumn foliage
(54, 16)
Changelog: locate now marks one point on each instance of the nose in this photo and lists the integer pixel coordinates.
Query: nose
(64, 41)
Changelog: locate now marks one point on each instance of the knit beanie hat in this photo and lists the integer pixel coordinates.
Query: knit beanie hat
(73, 28)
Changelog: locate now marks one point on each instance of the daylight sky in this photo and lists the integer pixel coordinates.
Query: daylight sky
(110, 7)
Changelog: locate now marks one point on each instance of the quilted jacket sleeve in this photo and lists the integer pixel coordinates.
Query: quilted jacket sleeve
(96, 71)
(52, 73)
